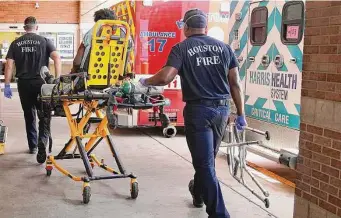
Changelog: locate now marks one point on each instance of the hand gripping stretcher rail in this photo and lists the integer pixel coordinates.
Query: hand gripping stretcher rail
(103, 95)
(236, 157)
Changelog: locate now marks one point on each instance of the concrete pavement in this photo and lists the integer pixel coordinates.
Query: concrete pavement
(162, 165)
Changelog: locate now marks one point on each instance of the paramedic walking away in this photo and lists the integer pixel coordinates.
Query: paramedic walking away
(209, 77)
(30, 53)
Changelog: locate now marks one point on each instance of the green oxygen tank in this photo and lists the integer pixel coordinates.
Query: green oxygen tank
(126, 87)
(131, 88)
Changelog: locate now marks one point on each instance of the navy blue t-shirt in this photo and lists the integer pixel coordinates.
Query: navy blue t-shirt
(30, 52)
(203, 64)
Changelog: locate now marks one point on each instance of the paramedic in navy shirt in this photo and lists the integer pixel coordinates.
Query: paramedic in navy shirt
(209, 77)
(29, 53)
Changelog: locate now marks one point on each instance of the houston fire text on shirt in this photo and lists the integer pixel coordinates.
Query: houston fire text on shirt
(213, 49)
(24, 45)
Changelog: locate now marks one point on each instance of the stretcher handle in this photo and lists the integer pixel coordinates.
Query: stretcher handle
(266, 133)
(241, 144)
(110, 22)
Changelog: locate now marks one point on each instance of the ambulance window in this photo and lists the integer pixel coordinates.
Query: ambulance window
(292, 22)
(259, 19)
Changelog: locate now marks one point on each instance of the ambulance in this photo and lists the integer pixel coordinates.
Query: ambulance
(267, 39)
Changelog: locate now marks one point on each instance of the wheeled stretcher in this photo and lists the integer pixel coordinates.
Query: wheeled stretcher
(104, 89)
(236, 149)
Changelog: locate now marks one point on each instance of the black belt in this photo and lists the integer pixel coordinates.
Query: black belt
(207, 102)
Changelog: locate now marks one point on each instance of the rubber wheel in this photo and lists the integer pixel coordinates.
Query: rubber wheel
(48, 172)
(267, 203)
(134, 192)
(228, 159)
(86, 194)
(267, 135)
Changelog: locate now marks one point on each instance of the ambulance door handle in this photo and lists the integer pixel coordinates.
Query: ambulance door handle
(265, 60)
(252, 59)
(293, 60)
(279, 61)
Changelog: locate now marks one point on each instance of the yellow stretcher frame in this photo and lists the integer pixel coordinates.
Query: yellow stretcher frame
(102, 62)
(89, 159)
(3, 137)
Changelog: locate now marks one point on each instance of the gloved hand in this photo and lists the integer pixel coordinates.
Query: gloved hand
(241, 123)
(8, 91)
(142, 81)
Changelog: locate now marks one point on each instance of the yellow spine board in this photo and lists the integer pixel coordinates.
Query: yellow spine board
(108, 53)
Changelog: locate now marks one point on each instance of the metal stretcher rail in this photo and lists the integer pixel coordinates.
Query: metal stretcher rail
(236, 158)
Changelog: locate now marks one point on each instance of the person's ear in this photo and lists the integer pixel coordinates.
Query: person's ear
(185, 30)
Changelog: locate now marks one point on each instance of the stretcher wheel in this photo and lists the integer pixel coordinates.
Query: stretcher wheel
(134, 191)
(228, 159)
(48, 172)
(267, 202)
(86, 194)
(267, 135)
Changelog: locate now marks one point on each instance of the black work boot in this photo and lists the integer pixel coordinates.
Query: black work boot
(41, 156)
(197, 202)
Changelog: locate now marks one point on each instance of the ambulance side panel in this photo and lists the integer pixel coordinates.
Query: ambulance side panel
(272, 71)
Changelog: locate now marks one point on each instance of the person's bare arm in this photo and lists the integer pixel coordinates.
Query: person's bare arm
(236, 91)
(78, 58)
(8, 70)
(57, 63)
(163, 77)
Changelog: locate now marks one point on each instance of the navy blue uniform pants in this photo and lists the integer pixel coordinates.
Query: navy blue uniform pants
(28, 93)
(204, 128)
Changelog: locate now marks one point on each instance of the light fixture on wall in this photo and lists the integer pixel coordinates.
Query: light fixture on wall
(36, 5)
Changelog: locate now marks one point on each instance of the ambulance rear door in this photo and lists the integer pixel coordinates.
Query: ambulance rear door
(273, 83)
(259, 60)
(288, 61)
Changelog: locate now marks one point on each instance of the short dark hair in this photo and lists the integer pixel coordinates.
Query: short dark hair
(30, 22)
(105, 14)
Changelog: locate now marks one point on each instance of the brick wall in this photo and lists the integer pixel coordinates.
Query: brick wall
(48, 11)
(318, 184)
